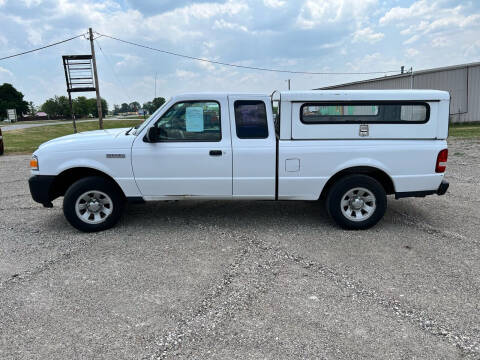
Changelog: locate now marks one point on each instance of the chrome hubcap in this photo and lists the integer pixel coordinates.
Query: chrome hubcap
(358, 204)
(93, 207)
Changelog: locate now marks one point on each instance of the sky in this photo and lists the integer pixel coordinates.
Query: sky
(297, 35)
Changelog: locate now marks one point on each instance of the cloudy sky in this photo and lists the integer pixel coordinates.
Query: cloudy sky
(299, 35)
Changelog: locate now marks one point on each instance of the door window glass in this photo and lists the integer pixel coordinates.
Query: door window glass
(191, 121)
(251, 119)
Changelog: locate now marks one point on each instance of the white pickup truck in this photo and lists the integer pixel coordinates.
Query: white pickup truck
(348, 148)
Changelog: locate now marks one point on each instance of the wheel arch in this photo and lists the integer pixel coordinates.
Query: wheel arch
(69, 176)
(381, 176)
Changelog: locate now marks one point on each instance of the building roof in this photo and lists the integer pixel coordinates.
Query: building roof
(406, 74)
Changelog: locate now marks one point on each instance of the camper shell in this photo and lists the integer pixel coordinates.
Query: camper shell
(433, 125)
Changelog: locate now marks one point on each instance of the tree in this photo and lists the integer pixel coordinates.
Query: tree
(59, 106)
(157, 102)
(81, 107)
(116, 109)
(124, 108)
(93, 109)
(134, 106)
(50, 107)
(152, 106)
(63, 106)
(148, 106)
(32, 109)
(10, 98)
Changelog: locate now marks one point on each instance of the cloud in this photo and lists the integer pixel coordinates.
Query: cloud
(222, 24)
(412, 52)
(185, 74)
(315, 13)
(367, 35)
(274, 3)
(428, 16)
(5, 75)
(418, 9)
(128, 61)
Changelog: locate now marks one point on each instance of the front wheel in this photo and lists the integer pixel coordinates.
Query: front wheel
(93, 204)
(357, 202)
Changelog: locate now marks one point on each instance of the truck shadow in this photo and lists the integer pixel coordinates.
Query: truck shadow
(227, 213)
(243, 215)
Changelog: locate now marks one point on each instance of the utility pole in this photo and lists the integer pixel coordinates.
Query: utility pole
(288, 81)
(95, 75)
(155, 85)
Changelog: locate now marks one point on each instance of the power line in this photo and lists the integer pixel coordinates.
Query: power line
(40, 48)
(244, 66)
(127, 93)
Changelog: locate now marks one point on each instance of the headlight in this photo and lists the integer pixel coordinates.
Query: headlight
(34, 163)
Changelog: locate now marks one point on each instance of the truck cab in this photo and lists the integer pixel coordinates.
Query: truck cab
(349, 149)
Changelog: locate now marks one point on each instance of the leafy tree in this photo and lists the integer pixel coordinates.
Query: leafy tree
(81, 107)
(116, 109)
(157, 102)
(58, 106)
(63, 106)
(134, 106)
(93, 109)
(152, 106)
(32, 109)
(124, 108)
(10, 98)
(50, 107)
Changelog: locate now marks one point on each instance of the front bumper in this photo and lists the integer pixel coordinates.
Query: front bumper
(442, 189)
(40, 188)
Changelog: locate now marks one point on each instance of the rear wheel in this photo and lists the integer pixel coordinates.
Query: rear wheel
(356, 202)
(93, 204)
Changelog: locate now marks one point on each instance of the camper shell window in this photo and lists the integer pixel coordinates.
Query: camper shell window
(402, 112)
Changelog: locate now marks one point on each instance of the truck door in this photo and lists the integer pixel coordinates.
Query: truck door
(193, 157)
(254, 147)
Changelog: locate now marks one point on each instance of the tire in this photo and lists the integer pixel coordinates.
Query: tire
(93, 204)
(356, 202)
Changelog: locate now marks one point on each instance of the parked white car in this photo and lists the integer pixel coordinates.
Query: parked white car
(348, 148)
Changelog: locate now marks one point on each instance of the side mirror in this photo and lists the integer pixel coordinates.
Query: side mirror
(152, 135)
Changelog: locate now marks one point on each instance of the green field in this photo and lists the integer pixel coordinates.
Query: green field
(466, 131)
(27, 140)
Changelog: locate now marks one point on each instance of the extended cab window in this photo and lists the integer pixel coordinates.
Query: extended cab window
(251, 119)
(374, 112)
(191, 121)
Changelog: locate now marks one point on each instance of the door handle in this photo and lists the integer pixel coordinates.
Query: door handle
(215, 152)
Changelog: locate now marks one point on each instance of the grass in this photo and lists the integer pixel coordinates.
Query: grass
(26, 141)
(4, 123)
(465, 131)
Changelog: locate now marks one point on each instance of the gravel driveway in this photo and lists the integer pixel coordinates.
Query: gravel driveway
(243, 280)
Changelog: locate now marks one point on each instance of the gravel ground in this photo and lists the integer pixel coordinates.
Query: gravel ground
(243, 280)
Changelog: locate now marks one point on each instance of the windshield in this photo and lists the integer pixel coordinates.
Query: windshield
(140, 127)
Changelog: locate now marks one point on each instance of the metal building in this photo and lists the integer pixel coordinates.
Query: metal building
(462, 81)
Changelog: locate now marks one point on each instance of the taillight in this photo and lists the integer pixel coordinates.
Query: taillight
(441, 161)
